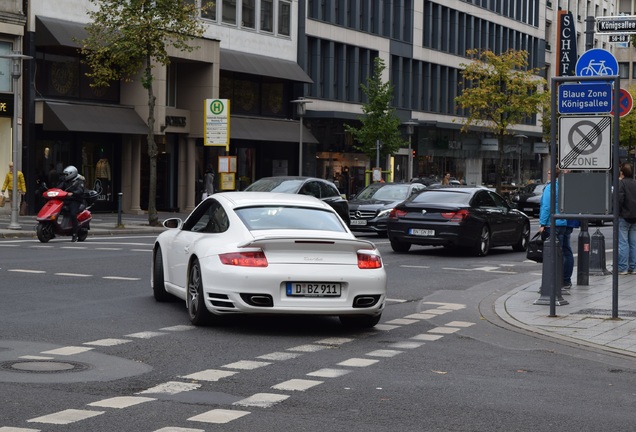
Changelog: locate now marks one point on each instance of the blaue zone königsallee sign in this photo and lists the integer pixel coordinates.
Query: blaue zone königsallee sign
(585, 98)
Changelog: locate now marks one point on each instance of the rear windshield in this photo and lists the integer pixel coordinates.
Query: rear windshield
(442, 197)
(283, 217)
(386, 193)
(275, 185)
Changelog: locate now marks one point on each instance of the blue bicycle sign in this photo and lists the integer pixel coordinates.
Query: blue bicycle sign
(597, 62)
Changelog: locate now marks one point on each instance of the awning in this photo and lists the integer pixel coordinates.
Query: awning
(260, 65)
(259, 129)
(55, 32)
(59, 116)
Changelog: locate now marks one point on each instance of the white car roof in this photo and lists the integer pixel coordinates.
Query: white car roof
(241, 199)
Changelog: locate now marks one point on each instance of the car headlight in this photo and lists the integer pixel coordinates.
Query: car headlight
(384, 212)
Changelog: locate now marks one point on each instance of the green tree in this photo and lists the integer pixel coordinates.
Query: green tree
(628, 128)
(125, 40)
(500, 91)
(379, 121)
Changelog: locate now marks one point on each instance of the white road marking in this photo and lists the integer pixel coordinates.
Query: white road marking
(262, 400)
(15, 429)
(420, 316)
(279, 356)
(145, 335)
(402, 321)
(26, 271)
(436, 311)
(66, 416)
(392, 300)
(9, 245)
(141, 250)
(329, 373)
(72, 274)
(33, 357)
(296, 385)
(407, 345)
(415, 266)
(385, 327)
(453, 306)
(486, 269)
(358, 362)
(121, 402)
(121, 278)
(460, 324)
(427, 337)
(384, 353)
(171, 387)
(308, 348)
(210, 375)
(109, 249)
(69, 350)
(108, 342)
(246, 365)
(444, 330)
(334, 341)
(178, 328)
(74, 247)
(219, 416)
(176, 429)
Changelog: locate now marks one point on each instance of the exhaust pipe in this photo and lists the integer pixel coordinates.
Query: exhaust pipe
(261, 300)
(365, 301)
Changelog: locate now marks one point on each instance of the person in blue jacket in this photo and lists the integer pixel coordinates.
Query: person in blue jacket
(564, 230)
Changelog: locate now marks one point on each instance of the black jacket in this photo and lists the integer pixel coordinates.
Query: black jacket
(627, 198)
(75, 186)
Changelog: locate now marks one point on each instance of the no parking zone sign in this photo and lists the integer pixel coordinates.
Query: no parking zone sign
(585, 142)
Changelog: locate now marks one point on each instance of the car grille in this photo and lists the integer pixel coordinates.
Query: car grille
(362, 214)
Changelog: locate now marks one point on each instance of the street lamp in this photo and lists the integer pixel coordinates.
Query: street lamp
(410, 130)
(300, 110)
(16, 72)
(520, 138)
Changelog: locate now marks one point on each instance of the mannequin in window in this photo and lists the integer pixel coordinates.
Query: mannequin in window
(102, 173)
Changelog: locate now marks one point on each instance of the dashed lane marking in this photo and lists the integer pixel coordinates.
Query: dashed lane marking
(145, 335)
(383, 353)
(14, 429)
(415, 266)
(211, 375)
(121, 278)
(73, 274)
(141, 250)
(170, 387)
(262, 400)
(358, 362)
(420, 316)
(69, 350)
(120, 402)
(334, 341)
(66, 417)
(177, 429)
(460, 324)
(427, 337)
(219, 416)
(279, 356)
(109, 249)
(108, 342)
(385, 327)
(406, 345)
(296, 385)
(308, 348)
(444, 330)
(246, 365)
(402, 321)
(178, 328)
(26, 271)
(329, 373)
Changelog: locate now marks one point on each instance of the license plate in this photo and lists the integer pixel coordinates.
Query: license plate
(313, 289)
(421, 232)
(527, 209)
(358, 221)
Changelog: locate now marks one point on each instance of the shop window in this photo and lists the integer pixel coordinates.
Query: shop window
(6, 82)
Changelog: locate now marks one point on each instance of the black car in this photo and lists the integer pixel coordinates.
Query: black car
(528, 200)
(316, 187)
(468, 217)
(369, 210)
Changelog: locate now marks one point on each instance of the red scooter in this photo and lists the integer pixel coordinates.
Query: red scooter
(53, 219)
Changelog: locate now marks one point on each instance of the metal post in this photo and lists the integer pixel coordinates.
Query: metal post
(583, 264)
(119, 199)
(300, 107)
(377, 153)
(410, 129)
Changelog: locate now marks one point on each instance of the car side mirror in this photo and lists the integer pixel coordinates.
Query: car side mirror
(173, 223)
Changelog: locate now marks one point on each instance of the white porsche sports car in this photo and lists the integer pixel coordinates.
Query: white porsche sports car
(268, 253)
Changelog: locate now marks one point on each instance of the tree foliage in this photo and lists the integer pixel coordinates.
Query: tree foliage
(126, 37)
(379, 121)
(500, 91)
(628, 127)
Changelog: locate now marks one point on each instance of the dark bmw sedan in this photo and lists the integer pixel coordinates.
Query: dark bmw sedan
(316, 187)
(369, 210)
(473, 218)
(528, 200)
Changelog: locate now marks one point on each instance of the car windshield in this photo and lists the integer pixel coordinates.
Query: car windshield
(275, 185)
(385, 193)
(535, 189)
(293, 218)
(442, 197)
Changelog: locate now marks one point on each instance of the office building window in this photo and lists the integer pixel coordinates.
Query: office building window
(284, 18)
(623, 70)
(228, 8)
(248, 14)
(208, 9)
(267, 15)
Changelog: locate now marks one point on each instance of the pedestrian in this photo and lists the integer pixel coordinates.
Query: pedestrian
(208, 182)
(8, 183)
(563, 228)
(626, 220)
(73, 183)
(446, 179)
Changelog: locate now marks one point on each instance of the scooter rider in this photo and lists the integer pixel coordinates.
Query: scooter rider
(73, 183)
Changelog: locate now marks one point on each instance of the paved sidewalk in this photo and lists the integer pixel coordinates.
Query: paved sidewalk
(585, 320)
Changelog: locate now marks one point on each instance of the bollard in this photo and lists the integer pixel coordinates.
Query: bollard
(547, 275)
(583, 262)
(119, 197)
(597, 255)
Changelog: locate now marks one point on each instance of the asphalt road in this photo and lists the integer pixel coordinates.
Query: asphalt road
(439, 360)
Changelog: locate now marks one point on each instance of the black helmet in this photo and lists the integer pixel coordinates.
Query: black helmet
(70, 172)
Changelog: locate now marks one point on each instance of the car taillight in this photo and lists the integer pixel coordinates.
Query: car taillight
(396, 214)
(244, 259)
(369, 261)
(457, 216)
